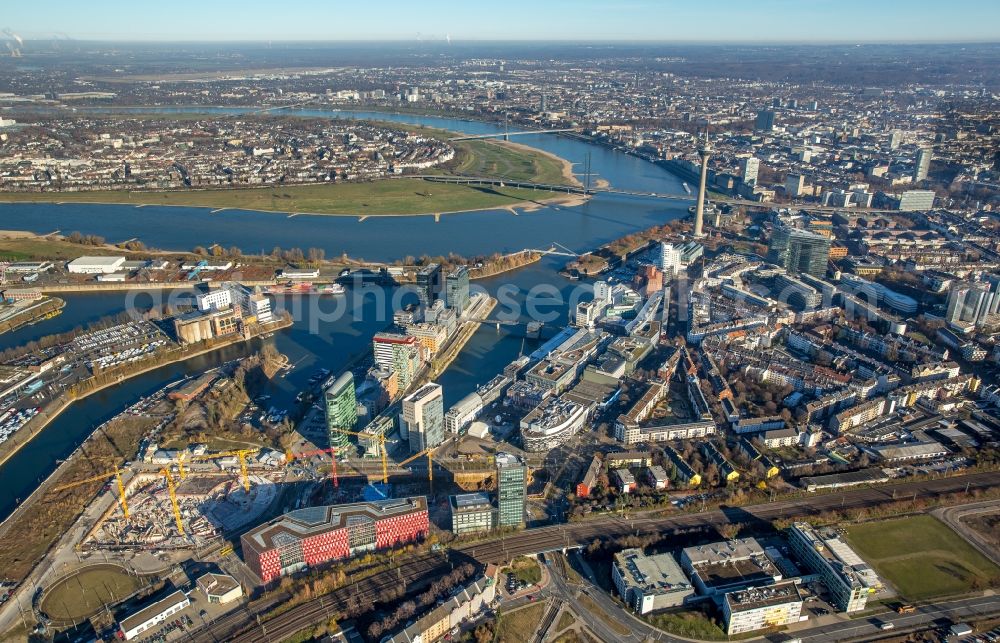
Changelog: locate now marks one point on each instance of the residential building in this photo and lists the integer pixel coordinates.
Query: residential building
(512, 490)
(423, 417)
(795, 185)
(648, 583)
(341, 410)
(316, 535)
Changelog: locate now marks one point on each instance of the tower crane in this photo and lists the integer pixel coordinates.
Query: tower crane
(241, 454)
(116, 474)
(171, 489)
(380, 437)
(333, 451)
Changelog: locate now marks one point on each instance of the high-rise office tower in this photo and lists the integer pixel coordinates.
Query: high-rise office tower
(705, 151)
(923, 165)
(670, 260)
(749, 169)
(799, 250)
(457, 289)
(895, 138)
(969, 303)
(512, 489)
(765, 121)
(341, 410)
(429, 284)
(423, 416)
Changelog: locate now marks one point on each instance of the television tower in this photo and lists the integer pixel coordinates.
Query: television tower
(704, 151)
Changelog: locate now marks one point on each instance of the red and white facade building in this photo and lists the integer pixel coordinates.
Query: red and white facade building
(315, 535)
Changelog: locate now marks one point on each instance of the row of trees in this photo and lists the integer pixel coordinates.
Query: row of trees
(410, 608)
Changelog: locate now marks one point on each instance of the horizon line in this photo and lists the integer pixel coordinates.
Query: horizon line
(454, 41)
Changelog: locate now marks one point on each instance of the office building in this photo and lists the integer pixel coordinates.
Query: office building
(398, 354)
(457, 289)
(429, 284)
(847, 577)
(969, 303)
(670, 260)
(764, 121)
(219, 588)
(916, 201)
(316, 535)
(732, 565)
(895, 138)
(794, 185)
(341, 410)
(799, 250)
(648, 583)
(759, 608)
(922, 166)
(512, 490)
(423, 417)
(463, 413)
(471, 513)
(749, 169)
(602, 291)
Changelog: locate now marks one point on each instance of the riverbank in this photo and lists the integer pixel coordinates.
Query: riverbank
(41, 310)
(518, 260)
(83, 390)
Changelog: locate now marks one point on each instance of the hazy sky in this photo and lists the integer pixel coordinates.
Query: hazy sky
(662, 20)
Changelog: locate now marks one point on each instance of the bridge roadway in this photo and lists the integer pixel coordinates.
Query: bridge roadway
(575, 189)
(476, 137)
(242, 626)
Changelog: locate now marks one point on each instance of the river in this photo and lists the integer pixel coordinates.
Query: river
(320, 338)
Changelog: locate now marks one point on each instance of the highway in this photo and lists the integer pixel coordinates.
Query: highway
(242, 625)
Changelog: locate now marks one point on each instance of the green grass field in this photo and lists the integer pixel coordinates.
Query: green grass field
(79, 596)
(519, 625)
(386, 197)
(492, 159)
(921, 557)
(19, 249)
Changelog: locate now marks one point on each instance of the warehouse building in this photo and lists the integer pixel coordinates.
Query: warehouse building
(152, 615)
(95, 265)
(316, 535)
(648, 583)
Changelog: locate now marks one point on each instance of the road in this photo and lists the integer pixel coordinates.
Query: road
(241, 626)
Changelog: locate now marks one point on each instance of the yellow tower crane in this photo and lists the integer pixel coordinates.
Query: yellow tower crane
(171, 489)
(381, 447)
(116, 474)
(241, 454)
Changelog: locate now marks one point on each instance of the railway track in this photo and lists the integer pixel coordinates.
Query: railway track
(242, 626)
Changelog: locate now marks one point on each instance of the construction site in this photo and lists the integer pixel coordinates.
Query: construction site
(198, 510)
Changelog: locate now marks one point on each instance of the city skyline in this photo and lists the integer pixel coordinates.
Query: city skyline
(769, 21)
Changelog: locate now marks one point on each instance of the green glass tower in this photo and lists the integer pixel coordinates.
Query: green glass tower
(512, 481)
(341, 410)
